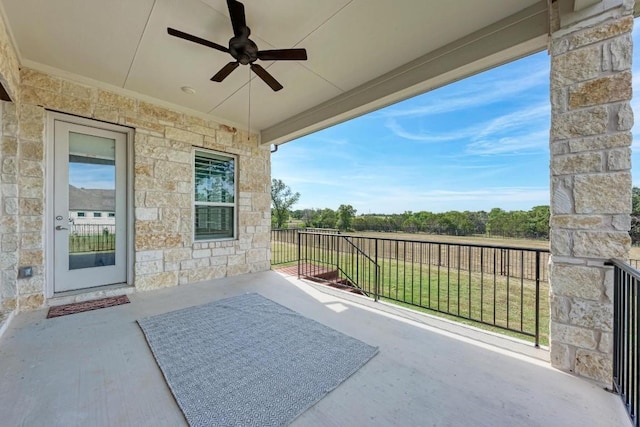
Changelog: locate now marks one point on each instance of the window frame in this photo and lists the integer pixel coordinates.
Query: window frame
(195, 203)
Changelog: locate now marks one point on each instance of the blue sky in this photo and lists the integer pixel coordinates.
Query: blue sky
(473, 145)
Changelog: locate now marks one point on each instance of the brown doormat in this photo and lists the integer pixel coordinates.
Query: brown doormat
(79, 307)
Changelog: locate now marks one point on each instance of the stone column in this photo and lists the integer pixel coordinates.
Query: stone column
(9, 163)
(9, 208)
(590, 181)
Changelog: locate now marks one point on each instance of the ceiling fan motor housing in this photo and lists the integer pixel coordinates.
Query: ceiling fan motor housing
(242, 48)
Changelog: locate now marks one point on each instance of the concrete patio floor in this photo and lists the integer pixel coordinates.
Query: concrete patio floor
(95, 368)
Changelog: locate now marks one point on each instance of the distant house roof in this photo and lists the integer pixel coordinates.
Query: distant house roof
(91, 199)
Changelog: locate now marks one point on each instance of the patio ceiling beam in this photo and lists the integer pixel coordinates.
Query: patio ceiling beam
(511, 38)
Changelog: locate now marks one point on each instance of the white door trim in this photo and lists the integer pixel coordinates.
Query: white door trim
(49, 193)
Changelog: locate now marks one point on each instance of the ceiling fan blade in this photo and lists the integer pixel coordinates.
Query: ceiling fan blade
(283, 55)
(189, 37)
(236, 12)
(268, 78)
(225, 71)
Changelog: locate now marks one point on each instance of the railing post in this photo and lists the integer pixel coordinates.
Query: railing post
(338, 239)
(636, 350)
(299, 252)
(357, 256)
(537, 331)
(616, 326)
(376, 278)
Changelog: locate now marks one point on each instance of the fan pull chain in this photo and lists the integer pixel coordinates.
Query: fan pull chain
(249, 109)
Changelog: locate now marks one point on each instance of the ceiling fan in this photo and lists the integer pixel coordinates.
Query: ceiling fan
(243, 49)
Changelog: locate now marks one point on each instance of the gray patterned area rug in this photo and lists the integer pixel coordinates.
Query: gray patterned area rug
(248, 361)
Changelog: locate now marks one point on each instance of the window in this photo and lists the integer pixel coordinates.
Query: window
(97, 214)
(112, 214)
(80, 214)
(214, 196)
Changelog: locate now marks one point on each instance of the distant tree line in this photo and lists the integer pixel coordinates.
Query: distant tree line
(342, 219)
(533, 223)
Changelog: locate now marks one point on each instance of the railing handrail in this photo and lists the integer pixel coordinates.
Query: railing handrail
(363, 253)
(336, 264)
(503, 249)
(624, 266)
(435, 242)
(310, 230)
(319, 230)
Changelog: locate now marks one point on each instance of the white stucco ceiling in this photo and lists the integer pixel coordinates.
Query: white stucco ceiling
(362, 53)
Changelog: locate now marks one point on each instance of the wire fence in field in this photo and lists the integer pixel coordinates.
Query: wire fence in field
(502, 261)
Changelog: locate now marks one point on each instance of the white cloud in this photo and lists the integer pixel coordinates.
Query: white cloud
(395, 127)
(515, 120)
(507, 134)
(517, 144)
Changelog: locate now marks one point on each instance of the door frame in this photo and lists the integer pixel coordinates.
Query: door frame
(49, 222)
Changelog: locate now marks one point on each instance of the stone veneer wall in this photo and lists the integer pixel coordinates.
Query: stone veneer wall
(590, 185)
(23, 207)
(8, 218)
(10, 160)
(165, 253)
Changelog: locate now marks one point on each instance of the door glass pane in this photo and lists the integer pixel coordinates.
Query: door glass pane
(92, 201)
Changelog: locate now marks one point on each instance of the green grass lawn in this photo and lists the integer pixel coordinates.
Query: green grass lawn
(506, 302)
(470, 297)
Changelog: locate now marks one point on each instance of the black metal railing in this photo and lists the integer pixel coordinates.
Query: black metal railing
(334, 258)
(360, 268)
(284, 243)
(92, 238)
(626, 327)
(504, 287)
(284, 246)
(321, 230)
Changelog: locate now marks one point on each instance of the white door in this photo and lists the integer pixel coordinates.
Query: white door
(90, 207)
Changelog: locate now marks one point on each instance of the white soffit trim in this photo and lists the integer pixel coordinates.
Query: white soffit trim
(514, 37)
(589, 12)
(582, 4)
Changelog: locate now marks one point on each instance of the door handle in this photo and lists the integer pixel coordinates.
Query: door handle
(59, 227)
